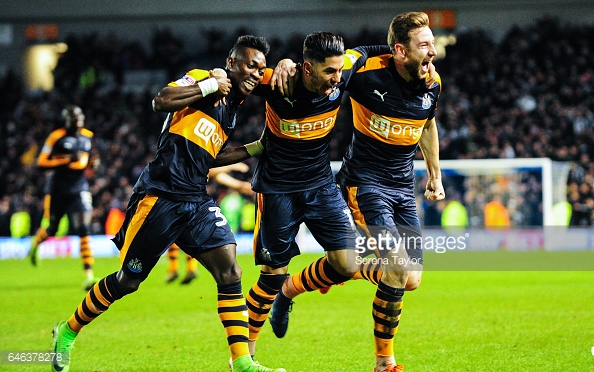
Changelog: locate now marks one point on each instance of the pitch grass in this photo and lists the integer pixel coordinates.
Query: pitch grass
(456, 321)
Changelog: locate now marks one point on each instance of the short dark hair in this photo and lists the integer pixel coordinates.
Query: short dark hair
(402, 25)
(320, 45)
(250, 41)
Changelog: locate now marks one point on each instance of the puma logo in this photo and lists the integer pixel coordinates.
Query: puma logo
(380, 94)
(290, 102)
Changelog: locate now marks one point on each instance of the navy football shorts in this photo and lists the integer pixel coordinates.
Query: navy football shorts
(153, 223)
(390, 217)
(60, 204)
(324, 212)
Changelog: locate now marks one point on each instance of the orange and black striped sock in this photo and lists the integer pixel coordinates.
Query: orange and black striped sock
(172, 254)
(319, 274)
(259, 300)
(41, 235)
(233, 314)
(387, 306)
(96, 302)
(370, 270)
(85, 253)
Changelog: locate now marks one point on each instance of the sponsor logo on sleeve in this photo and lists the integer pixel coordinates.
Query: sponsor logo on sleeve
(185, 81)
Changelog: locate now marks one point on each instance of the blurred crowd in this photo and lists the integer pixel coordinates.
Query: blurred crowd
(531, 94)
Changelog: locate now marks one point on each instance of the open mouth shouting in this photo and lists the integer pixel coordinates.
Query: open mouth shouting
(425, 66)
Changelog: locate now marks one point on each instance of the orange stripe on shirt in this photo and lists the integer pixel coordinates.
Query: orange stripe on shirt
(393, 131)
(311, 127)
(376, 63)
(199, 128)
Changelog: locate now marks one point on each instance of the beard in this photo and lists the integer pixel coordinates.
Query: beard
(414, 70)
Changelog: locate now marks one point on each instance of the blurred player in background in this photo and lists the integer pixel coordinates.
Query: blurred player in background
(221, 176)
(66, 153)
(393, 116)
(169, 203)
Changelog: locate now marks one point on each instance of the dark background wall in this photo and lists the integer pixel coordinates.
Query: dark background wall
(190, 19)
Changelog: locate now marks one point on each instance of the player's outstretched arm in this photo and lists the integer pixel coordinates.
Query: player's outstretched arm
(429, 145)
(170, 99)
(230, 156)
(46, 160)
(174, 98)
(235, 167)
(237, 154)
(227, 180)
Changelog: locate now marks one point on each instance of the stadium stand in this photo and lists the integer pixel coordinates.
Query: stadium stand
(528, 95)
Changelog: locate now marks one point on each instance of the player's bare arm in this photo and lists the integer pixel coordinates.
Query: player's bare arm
(221, 175)
(237, 154)
(170, 98)
(230, 156)
(235, 167)
(429, 144)
(233, 183)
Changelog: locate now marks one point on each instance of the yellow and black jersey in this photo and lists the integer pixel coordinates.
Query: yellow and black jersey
(388, 117)
(297, 151)
(189, 142)
(67, 155)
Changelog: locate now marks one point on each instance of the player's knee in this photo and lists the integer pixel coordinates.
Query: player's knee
(412, 285)
(344, 262)
(129, 287)
(394, 277)
(228, 276)
(343, 267)
(413, 281)
(347, 270)
(126, 284)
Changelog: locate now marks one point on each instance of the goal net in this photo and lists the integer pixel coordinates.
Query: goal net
(526, 188)
(530, 191)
